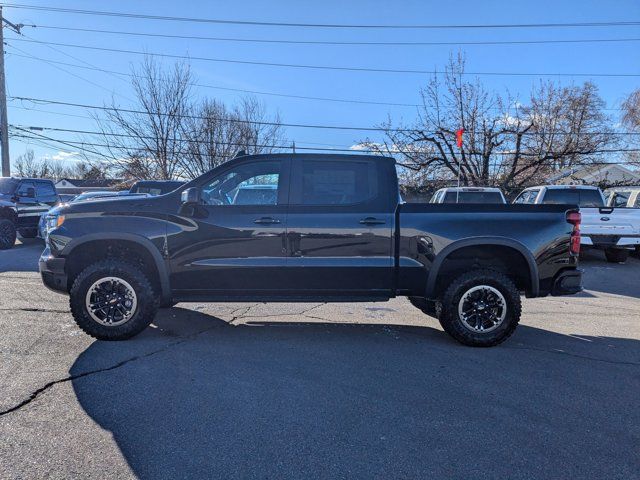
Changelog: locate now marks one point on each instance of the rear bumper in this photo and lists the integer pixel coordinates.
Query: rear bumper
(567, 282)
(52, 272)
(610, 241)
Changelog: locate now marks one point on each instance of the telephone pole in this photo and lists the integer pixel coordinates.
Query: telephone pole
(4, 125)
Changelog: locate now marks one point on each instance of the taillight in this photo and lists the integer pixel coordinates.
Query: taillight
(574, 218)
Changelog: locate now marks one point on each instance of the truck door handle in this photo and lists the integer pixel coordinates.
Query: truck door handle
(266, 220)
(372, 221)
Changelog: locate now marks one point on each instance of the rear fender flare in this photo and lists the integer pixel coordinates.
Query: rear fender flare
(469, 242)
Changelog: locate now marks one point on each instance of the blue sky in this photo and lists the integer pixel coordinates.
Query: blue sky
(31, 78)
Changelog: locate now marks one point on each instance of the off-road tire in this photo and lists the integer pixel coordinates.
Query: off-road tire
(147, 299)
(616, 255)
(451, 322)
(28, 232)
(428, 307)
(7, 234)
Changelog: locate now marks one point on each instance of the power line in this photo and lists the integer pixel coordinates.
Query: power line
(73, 74)
(323, 42)
(331, 67)
(315, 25)
(30, 129)
(266, 123)
(251, 92)
(239, 90)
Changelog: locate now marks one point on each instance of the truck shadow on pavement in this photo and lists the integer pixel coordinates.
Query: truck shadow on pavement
(196, 397)
(23, 257)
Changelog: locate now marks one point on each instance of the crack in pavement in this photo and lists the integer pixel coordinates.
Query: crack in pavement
(303, 313)
(576, 355)
(36, 393)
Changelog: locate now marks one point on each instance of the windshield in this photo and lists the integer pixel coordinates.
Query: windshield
(574, 196)
(7, 186)
(473, 197)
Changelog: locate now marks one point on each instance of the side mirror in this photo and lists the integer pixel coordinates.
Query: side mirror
(191, 196)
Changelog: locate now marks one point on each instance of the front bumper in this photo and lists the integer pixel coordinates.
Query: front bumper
(567, 282)
(52, 272)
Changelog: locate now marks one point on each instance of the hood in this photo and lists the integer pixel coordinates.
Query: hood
(109, 204)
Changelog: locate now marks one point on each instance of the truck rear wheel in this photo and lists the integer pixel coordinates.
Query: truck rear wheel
(616, 255)
(7, 234)
(480, 308)
(112, 300)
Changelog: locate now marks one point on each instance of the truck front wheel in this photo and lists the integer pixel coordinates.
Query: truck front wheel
(7, 234)
(480, 308)
(112, 300)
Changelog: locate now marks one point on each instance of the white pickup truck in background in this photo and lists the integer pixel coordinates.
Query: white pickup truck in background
(468, 195)
(614, 230)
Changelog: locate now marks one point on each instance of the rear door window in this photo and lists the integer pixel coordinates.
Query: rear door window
(338, 182)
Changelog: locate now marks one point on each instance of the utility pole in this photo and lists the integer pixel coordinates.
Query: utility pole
(4, 124)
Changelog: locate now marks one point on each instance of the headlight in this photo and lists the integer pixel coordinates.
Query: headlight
(54, 221)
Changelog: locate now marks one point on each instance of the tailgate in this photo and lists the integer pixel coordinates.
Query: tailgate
(610, 223)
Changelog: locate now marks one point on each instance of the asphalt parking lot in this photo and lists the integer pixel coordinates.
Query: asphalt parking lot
(320, 390)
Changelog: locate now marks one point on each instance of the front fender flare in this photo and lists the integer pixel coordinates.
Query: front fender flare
(159, 261)
(468, 242)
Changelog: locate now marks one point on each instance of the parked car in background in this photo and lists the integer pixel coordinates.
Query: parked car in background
(308, 228)
(22, 202)
(614, 230)
(83, 197)
(623, 197)
(468, 195)
(155, 187)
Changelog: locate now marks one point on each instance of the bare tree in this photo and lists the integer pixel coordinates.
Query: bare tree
(214, 133)
(26, 165)
(505, 143)
(149, 144)
(631, 111)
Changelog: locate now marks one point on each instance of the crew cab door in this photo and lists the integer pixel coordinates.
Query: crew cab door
(233, 244)
(340, 224)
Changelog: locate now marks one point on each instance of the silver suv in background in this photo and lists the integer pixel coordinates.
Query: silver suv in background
(623, 197)
(468, 195)
(614, 230)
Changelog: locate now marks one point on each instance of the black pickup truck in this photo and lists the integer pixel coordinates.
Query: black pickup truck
(22, 202)
(286, 228)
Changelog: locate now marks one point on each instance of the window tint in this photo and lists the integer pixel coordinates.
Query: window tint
(473, 197)
(247, 184)
(23, 188)
(637, 204)
(338, 183)
(581, 197)
(45, 189)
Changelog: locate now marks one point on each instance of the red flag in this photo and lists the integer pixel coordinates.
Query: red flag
(459, 137)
